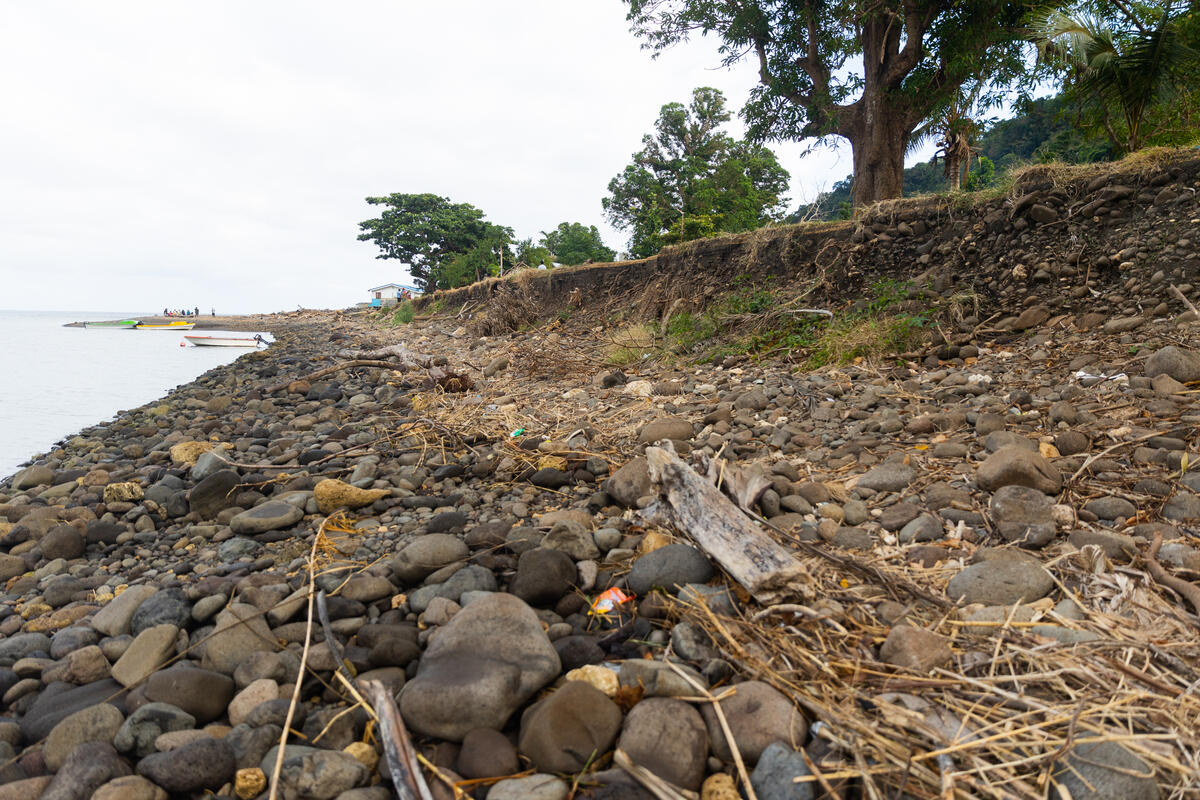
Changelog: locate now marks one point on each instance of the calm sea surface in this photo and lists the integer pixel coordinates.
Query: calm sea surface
(56, 381)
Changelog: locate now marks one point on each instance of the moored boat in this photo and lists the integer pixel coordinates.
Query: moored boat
(113, 324)
(226, 341)
(178, 325)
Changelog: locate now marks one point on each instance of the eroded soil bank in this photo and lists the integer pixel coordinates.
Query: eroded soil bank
(991, 533)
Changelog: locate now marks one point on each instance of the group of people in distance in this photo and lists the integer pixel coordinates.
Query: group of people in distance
(185, 312)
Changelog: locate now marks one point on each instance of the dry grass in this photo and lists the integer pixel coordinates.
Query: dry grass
(994, 722)
(629, 344)
(511, 307)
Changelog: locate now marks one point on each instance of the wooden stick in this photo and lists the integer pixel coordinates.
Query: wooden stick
(663, 790)
(733, 748)
(291, 712)
(1191, 307)
(1188, 591)
(407, 779)
(331, 642)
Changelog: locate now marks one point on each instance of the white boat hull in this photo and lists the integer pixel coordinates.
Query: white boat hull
(223, 341)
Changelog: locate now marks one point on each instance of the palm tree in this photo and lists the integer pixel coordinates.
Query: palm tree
(958, 130)
(1129, 69)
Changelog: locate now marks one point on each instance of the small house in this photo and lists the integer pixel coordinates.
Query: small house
(389, 294)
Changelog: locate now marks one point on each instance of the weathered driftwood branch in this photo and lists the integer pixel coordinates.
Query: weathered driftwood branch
(331, 641)
(760, 564)
(1186, 590)
(321, 373)
(744, 485)
(1183, 298)
(395, 352)
(407, 779)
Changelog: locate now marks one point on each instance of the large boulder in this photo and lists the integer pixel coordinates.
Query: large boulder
(629, 483)
(667, 737)
(669, 567)
(1023, 515)
(202, 693)
(1016, 466)
(427, 555)
(1182, 365)
(1001, 578)
(665, 428)
(543, 576)
(758, 714)
(206, 763)
(99, 723)
(116, 617)
(240, 632)
(270, 516)
(149, 651)
(774, 777)
(478, 669)
(1102, 771)
(569, 729)
(28, 478)
(88, 767)
(213, 494)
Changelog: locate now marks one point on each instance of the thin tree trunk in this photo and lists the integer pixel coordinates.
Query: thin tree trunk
(954, 172)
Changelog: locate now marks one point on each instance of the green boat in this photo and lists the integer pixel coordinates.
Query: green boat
(115, 323)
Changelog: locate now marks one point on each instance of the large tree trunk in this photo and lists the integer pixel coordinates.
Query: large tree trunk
(876, 125)
(878, 141)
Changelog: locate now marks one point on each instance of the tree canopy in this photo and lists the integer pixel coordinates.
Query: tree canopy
(445, 244)
(692, 179)
(1124, 64)
(573, 243)
(911, 58)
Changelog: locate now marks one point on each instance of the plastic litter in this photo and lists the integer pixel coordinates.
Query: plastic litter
(1119, 377)
(608, 600)
(517, 432)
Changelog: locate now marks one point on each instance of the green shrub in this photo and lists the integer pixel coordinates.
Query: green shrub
(404, 313)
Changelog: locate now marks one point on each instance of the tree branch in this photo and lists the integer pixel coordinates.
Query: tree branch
(916, 21)
(822, 113)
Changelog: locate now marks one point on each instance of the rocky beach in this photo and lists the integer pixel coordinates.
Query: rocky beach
(577, 562)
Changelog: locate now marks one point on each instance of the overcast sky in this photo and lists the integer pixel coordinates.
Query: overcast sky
(217, 154)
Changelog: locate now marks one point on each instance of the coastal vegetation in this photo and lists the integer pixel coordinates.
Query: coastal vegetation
(447, 244)
(691, 179)
(884, 76)
(759, 319)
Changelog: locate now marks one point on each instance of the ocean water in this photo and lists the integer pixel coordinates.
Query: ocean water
(58, 380)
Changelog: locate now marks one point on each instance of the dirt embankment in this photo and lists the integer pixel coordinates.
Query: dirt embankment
(1105, 239)
(973, 573)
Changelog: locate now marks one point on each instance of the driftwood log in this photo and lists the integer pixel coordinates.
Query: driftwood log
(690, 503)
(396, 352)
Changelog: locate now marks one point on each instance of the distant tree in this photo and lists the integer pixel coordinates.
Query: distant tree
(430, 234)
(484, 259)
(983, 177)
(691, 179)
(572, 243)
(533, 255)
(868, 71)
